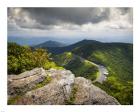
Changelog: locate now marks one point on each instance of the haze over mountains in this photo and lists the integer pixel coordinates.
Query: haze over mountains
(31, 41)
(50, 44)
(57, 47)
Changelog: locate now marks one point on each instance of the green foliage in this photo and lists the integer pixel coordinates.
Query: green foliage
(13, 100)
(50, 64)
(63, 59)
(117, 62)
(20, 96)
(120, 72)
(71, 100)
(23, 58)
(12, 64)
(123, 92)
(79, 67)
(118, 58)
(44, 82)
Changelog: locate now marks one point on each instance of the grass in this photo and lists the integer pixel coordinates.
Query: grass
(13, 100)
(43, 83)
(71, 100)
(78, 67)
(120, 73)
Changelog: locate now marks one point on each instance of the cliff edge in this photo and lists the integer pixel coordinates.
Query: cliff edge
(54, 87)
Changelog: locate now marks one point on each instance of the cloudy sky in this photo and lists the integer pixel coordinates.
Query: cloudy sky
(71, 24)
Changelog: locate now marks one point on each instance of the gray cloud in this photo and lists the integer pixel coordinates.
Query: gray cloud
(70, 22)
(46, 18)
(41, 18)
(69, 15)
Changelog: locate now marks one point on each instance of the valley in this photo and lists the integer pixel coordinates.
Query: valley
(108, 65)
(116, 57)
(102, 71)
(70, 55)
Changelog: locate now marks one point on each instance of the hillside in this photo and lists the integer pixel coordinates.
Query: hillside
(85, 59)
(78, 65)
(23, 58)
(118, 58)
(115, 55)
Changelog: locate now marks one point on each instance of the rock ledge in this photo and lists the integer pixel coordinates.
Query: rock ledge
(62, 88)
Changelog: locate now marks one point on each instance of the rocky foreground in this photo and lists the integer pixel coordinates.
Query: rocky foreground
(54, 87)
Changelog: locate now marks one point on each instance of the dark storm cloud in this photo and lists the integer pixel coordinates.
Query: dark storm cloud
(71, 23)
(56, 16)
(48, 18)
(78, 16)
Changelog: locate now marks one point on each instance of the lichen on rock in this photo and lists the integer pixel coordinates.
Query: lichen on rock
(63, 88)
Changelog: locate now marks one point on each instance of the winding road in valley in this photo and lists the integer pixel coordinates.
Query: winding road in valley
(103, 72)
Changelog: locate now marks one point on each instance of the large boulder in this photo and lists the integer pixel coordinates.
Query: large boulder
(56, 92)
(63, 89)
(19, 84)
(87, 93)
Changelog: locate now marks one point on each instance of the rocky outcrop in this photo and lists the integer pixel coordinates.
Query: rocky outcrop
(30, 88)
(87, 93)
(19, 84)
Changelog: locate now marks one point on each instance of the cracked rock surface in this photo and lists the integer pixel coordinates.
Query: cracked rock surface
(63, 88)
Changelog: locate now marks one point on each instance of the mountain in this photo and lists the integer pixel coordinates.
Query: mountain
(58, 50)
(32, 41)
(89, 59)
(49, 44)
(85, 42)
(54, 87)
(116, 57)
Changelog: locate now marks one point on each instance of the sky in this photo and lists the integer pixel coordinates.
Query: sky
(35, 25)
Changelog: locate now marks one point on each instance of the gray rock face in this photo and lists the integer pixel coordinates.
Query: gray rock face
(88, 94)
(18, 84)
(63, 89)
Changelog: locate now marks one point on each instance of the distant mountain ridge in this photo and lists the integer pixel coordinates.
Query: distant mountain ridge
(56, 49)
(50, 44)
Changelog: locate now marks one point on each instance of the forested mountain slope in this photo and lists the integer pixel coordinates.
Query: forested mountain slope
(118, 58)
(78, 65)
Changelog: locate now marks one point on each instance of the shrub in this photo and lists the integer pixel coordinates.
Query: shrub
(23, 58)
